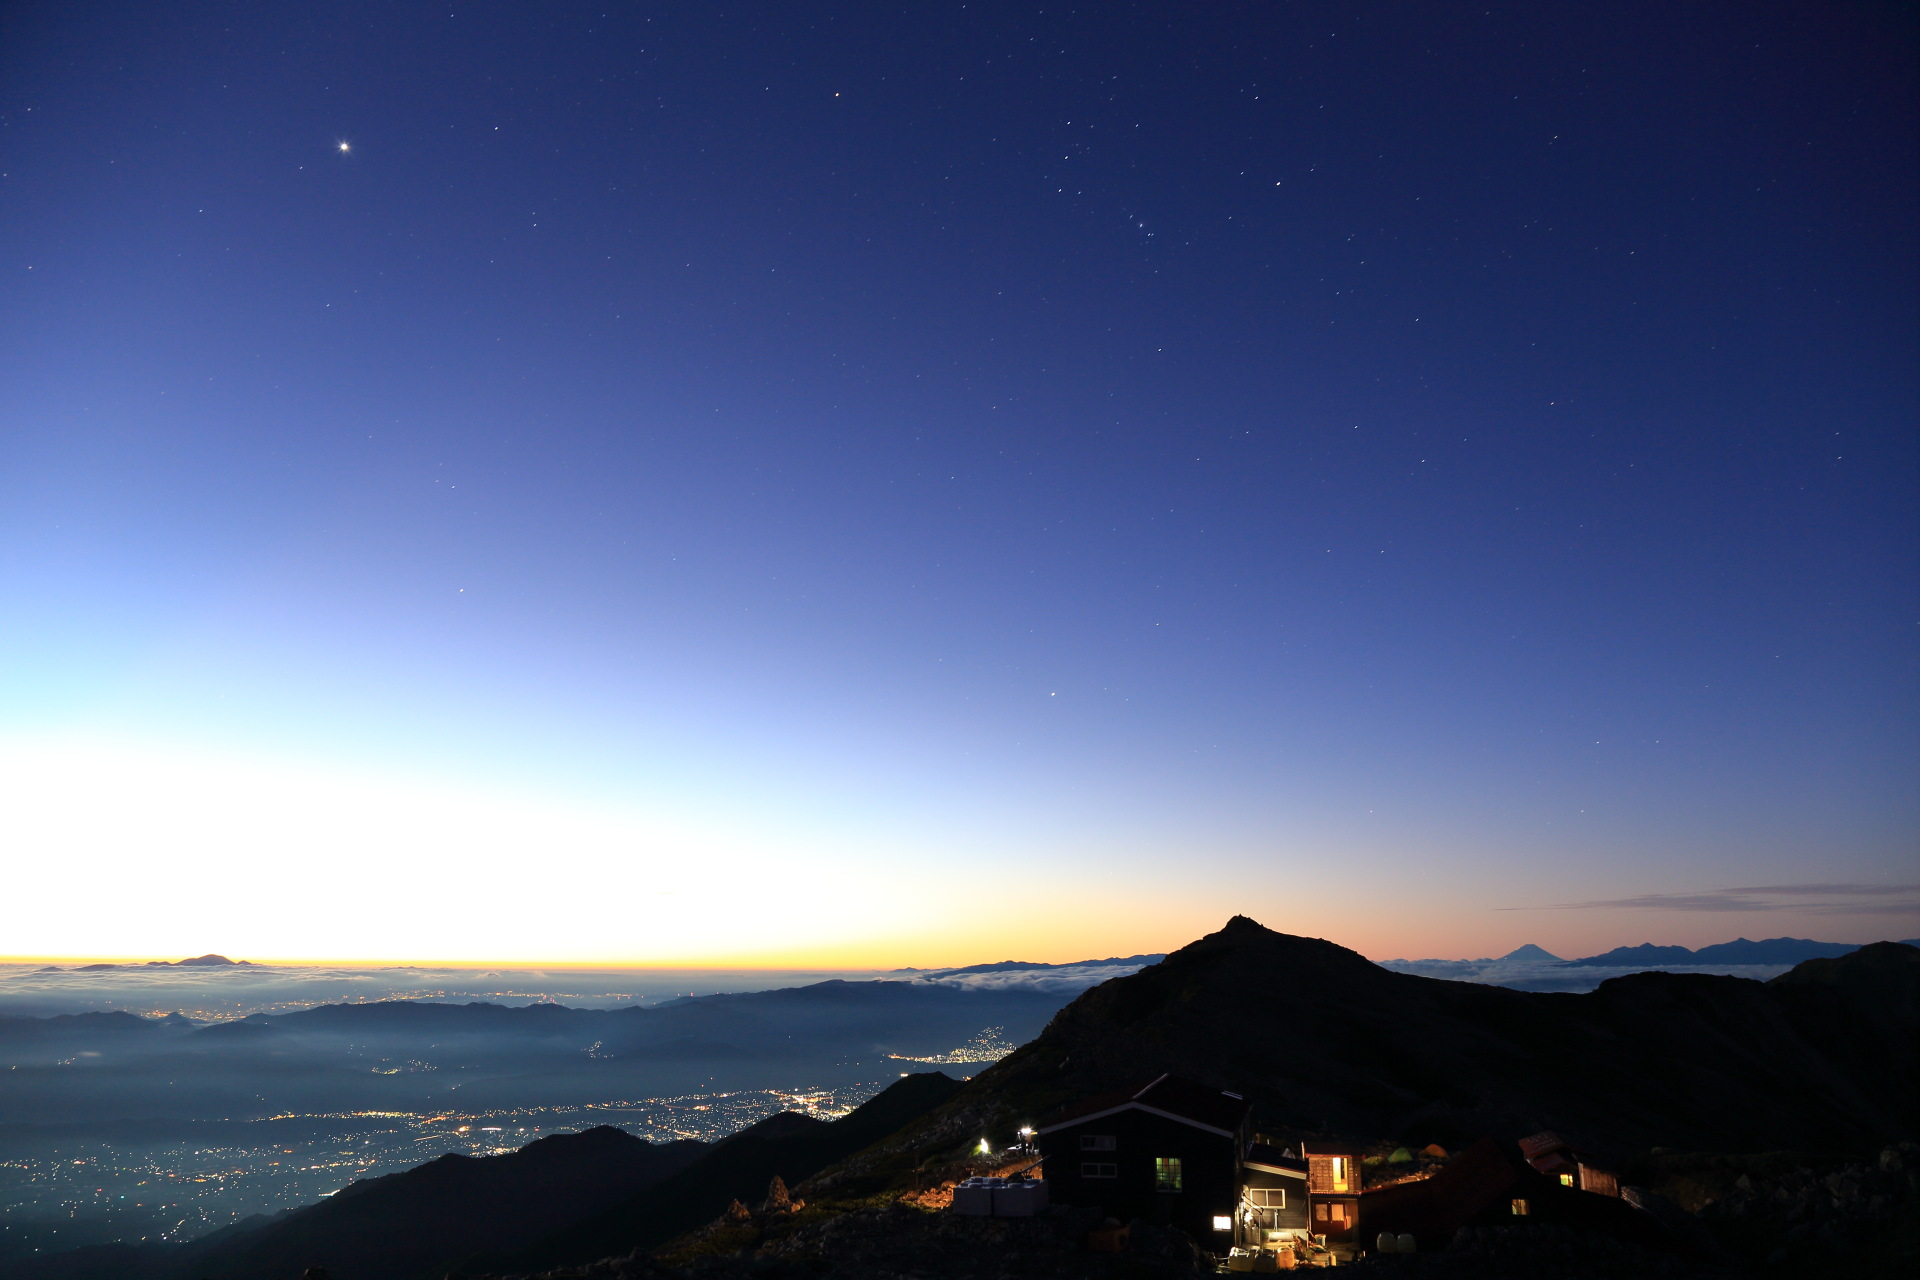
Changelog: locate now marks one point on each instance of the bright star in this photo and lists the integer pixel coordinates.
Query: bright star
(345, 147)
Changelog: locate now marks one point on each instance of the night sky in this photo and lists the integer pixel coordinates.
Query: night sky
(932, 483)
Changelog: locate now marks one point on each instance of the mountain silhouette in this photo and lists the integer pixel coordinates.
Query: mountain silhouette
(789, 1145)
(1739, 951)
(1327, 1043)
(1001, 966)
(416, 1223)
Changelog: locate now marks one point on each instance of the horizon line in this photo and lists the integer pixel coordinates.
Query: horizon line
(758, 966)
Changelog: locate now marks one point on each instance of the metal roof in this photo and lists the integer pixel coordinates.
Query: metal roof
(1170, 1097)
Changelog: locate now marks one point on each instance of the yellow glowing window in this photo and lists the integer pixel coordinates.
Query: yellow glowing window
(1519, 1208)
(1166, 1173)
(1566, 1179)
(1339, 1173)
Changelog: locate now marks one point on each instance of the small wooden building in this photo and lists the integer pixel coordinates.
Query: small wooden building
(1168, 1152)
(1550, 1154)
(1273, 1189)
(1490, 1185)
(1333, 1191)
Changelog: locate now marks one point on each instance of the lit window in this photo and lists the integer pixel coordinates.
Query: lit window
(1098, 1142)
(1099, 1170)
(1223, 1222)
(1566, 1179)
(1166, 1173)
(1339, 1173)
(1519, 1208)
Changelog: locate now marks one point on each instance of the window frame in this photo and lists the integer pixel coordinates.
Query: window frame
(1169, 1175)
(1098, 1169)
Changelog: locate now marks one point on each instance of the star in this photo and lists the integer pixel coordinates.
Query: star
(344, 148)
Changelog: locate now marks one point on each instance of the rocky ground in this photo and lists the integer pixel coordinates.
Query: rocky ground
(1539, 1253)
(1792, 1215)
(896, 1241)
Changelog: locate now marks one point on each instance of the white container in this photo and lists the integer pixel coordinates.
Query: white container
(971, 1200)
(1019, 1199)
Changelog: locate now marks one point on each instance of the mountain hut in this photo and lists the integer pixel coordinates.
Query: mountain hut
(1167, 1153)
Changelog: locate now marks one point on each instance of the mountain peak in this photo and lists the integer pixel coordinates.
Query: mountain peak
(1244, 935)
(1289, 1020)
(211, 960)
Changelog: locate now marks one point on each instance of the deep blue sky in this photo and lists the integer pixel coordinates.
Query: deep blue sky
(1366, 465)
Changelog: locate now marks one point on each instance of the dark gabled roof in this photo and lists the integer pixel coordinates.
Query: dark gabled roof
(1483, 1176)
(1330, 1149)
(1273, 1160)
(1174, 1097)
(1546, 1142)
(1099, 1104)
(1555, 1163)
(1189, 1100)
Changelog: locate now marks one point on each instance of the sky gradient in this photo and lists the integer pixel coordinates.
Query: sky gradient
(775, 484)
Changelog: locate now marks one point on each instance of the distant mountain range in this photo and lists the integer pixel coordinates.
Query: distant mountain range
(208, 961)
(412, 1054)
(1003, 966)
(1533, 968)
(1739, 951)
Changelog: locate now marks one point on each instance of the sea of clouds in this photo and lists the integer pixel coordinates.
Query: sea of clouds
(1554, 974)
(235, 991)
(221, 992)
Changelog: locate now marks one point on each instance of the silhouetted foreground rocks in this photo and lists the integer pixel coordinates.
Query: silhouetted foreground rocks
(1538, 1253)
(896, 1240)
(1782, 1213)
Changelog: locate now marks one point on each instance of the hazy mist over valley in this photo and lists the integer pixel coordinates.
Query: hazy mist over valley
(247, 1088)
